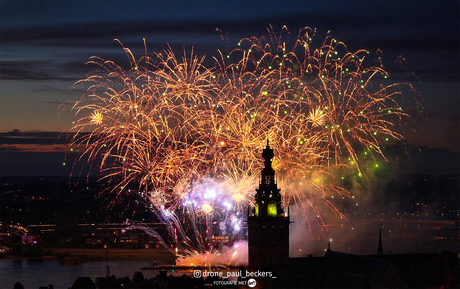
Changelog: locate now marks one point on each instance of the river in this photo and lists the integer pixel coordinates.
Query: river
(35, 273)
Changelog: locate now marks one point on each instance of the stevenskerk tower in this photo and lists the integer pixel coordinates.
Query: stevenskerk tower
(268, 225)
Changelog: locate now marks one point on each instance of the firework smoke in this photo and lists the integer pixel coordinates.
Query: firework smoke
(189, 136)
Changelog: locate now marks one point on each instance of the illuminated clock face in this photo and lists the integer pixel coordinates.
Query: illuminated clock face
(272, 210)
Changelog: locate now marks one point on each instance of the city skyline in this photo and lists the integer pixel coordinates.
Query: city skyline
(360, 114)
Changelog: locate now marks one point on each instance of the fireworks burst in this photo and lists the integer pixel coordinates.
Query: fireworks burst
(170, 126)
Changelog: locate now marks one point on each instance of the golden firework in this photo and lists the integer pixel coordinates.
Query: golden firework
(168, 122)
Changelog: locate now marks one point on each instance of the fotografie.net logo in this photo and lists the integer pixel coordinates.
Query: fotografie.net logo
(252, 283)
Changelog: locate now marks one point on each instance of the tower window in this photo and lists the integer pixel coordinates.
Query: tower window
(272, 210)
(256, 209)
(268, 180)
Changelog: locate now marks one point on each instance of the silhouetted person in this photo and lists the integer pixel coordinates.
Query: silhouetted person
(18, 285)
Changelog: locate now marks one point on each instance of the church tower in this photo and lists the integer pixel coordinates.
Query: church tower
(268, 225)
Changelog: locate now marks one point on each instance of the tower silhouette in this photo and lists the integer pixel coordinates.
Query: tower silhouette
(268, 225)
(380, 247)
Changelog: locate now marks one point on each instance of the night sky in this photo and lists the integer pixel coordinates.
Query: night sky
(45, 44)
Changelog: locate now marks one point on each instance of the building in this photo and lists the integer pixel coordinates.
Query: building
(268, 225)
(268, 248)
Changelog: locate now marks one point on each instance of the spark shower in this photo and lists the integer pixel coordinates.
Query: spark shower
(188, 136)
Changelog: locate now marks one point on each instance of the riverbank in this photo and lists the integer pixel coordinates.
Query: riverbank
(11, 256)
(75, 256)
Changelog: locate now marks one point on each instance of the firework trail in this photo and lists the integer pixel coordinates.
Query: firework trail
(189, 136)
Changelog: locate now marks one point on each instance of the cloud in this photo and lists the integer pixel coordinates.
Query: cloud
(360, 25)
(10, 148)
(39, 148)
(27, 70)
(38, 153)
(54, 102)
(17, 137)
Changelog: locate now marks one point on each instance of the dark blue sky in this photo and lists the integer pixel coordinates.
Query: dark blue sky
(45, 44)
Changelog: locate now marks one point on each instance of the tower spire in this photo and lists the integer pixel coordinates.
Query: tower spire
(380, 248)
(268, 197)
